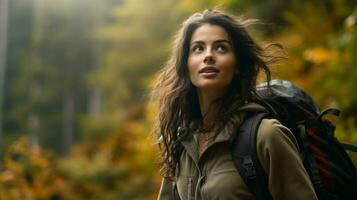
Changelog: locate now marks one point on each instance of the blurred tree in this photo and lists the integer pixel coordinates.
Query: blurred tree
(316, 38)
(3, 55)
(137, 42)
(19, 36)
(51, 48)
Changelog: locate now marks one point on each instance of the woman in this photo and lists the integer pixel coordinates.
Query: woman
(204, 92)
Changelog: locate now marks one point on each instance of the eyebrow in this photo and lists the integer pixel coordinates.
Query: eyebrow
(215, 42)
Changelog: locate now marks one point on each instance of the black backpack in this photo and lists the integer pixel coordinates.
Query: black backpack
(330, 169)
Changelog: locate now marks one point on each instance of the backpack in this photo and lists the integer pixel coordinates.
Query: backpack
(329, 167)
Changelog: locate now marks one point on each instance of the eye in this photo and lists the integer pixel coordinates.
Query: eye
(221, 48)
(197, 48)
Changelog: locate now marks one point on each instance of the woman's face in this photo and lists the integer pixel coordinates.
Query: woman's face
(211, 60)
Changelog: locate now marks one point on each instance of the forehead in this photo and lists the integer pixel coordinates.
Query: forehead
(208, 33)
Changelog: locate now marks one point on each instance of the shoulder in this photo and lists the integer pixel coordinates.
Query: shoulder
(278, 153)
(271, 133)
(275, 144)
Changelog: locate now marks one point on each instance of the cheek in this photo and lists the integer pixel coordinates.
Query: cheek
(231, 69)
(231, 65)
(192, 65)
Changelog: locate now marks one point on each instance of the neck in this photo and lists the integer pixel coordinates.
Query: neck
(208, 105)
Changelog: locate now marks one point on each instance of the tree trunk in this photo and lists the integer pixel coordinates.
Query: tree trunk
(34, 119)
(68, 119)
(95, 102)
(3, 51)
(95, 96)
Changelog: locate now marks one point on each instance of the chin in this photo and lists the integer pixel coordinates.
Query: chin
(217, 87)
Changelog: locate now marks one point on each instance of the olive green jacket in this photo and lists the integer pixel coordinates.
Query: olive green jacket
(212, 175)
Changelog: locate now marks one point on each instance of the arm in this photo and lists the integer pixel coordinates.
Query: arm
(278, 153)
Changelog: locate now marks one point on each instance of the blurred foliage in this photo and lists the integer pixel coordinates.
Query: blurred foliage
(321, 37)
(30, 173)
(115, 167)
(138, 42)
(115, 47)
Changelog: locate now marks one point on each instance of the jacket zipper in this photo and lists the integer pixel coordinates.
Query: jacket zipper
(189, 188)
(200, 182)
(174, 190)
(197, 188)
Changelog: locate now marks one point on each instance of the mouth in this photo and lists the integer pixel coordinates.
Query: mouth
(208, 71)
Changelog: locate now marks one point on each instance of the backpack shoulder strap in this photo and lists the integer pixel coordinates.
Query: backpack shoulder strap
(245, 159)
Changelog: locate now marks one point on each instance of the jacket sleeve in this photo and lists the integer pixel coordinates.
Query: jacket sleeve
(278, 153)
(167, 191)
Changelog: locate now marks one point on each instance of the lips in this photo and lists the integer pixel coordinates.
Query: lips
(208, 70)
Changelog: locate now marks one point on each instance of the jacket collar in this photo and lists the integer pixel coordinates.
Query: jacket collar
(190, 141)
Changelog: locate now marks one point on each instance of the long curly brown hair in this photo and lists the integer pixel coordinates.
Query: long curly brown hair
(176, 97)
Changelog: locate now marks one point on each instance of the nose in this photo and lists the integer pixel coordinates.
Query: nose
(209, 58)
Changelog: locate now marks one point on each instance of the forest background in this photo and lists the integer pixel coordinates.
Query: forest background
(75, 77)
